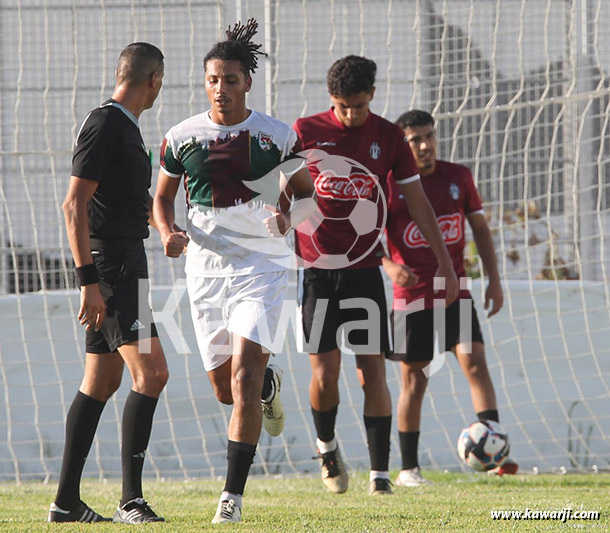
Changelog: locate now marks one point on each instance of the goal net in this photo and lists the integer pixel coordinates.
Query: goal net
(520, 94)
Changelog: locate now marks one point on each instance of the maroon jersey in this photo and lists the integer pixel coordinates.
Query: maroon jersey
(453, 196)
(377, 149)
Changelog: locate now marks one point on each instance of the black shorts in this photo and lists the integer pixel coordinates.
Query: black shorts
(123, 273)
(336, 286)
(419, 338)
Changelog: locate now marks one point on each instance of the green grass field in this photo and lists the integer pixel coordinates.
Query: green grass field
(456, 502)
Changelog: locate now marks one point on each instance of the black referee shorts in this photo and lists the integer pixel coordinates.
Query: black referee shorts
(417, 341)
(123, 273)
(365, 288)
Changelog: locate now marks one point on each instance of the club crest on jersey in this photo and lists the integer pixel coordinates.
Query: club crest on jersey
(375, 151)
(265, 140)
(454, 191)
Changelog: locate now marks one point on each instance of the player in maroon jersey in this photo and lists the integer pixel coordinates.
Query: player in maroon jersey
(348, 129)
(452, 193)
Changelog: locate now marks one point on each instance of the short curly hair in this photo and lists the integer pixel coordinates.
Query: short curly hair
(351, 75)
(415, 118)
(238, 47)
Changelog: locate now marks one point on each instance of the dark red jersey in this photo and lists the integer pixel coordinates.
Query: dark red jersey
(373, 151)
(452, 193)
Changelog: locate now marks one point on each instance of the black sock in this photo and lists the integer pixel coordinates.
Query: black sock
(325, 423)
(81, 423)
(378, 429)
(490, 414)
(239, 458)
(267, 384)
(409, 441)
(136, 428)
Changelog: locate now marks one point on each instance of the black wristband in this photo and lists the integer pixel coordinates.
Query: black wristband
(87, 274)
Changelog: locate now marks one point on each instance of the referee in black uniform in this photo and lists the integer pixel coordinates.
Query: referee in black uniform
(107, 214)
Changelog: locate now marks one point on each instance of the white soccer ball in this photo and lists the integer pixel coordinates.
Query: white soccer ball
(361, 203)
(483, 445)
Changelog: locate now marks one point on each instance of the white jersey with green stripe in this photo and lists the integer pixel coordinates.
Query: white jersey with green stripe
(230, 174)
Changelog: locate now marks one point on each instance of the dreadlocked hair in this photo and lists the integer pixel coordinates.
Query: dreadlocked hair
(238, 47)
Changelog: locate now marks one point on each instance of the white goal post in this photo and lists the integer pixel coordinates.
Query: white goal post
(521, 96)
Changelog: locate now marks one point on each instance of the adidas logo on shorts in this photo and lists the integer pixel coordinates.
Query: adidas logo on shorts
(137, 325)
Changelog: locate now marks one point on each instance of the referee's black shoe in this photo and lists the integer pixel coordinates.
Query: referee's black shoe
(82, 513)
(136, 512)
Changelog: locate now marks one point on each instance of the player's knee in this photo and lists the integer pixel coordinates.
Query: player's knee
(416, 383)
(151, 381)
(224, 397)
(112, 386)
(223, 394)
(104, 392)
(414, 379)
(245, 386)
(326, 379)
(162, 376)
(418, 386)
(372, 384)
(101, 388)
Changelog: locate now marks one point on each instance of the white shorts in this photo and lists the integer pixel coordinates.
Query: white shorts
(248, 306)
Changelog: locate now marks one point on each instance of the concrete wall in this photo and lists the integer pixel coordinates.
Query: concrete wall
(547, 350)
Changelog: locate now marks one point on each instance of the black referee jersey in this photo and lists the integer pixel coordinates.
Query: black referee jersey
(110, 150)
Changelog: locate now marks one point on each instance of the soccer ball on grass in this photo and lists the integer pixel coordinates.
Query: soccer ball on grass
(483, 445)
